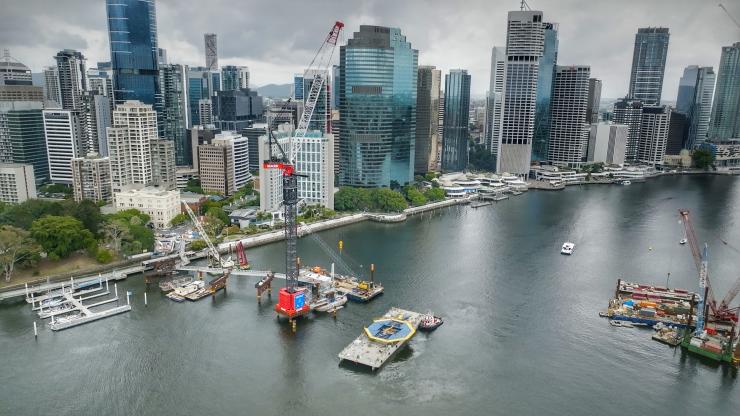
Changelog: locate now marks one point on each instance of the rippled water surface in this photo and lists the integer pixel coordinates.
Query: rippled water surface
(521, 335)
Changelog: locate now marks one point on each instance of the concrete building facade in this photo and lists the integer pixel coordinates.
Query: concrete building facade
(91, 178)
(17, 183)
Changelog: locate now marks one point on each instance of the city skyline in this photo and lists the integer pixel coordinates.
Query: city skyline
(34, 34)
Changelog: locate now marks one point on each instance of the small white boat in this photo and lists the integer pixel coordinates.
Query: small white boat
(567, 248)
(683, 241)
(190, 288)
(626, 182)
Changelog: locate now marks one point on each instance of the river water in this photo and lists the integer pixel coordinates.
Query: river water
(521, 335)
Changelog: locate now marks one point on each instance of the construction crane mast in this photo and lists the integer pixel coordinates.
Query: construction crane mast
(291, 301)
(702, 266)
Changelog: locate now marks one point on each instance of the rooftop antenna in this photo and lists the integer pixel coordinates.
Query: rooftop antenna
(723, 8)
(524, 6)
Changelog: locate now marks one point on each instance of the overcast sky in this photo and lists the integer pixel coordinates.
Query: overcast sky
(278, 38)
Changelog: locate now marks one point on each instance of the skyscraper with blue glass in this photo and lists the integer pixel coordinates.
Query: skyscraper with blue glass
(132, 31)
(544, 92)
(456, 118)
(377, 103)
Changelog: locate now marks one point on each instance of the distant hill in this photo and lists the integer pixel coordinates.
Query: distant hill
(276, 90)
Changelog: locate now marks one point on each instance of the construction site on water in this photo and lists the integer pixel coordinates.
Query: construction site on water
(696, 322)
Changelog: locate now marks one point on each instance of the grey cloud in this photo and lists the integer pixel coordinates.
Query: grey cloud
(448, 34)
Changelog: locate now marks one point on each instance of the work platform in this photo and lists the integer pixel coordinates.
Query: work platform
(375, 353)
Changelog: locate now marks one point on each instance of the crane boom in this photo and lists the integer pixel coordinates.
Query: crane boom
(701, 262)
(199, 226)
(729, 15)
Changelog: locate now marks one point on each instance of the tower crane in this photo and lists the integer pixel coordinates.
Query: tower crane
(291, 302)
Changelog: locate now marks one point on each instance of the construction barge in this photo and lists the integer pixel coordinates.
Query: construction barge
(382, 340)
(651, 305)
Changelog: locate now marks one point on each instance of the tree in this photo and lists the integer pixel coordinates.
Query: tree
(115, 232)
(387, 200)
(24, 214)
(61, 236)
(434, 194)
(197, 245)
(429, 176)
(179, 219)
(703, 159)
(218, 212)
(415, 197)
(213, 224)
(194, 186)
(16, 247)
(480, 158)
(351, 199)
(418, 178)
(86, 211)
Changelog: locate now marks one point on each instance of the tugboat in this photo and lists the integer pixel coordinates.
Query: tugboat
(429, 322)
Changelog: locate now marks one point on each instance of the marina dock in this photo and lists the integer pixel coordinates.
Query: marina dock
(68, 309)
(374, 353)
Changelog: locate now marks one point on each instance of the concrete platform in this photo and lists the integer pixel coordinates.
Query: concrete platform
(366, 352)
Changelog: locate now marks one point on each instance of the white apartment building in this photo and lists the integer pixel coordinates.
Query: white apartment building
(315, 160)
(129, 144)
(494, 101)
(568, 117)
(17, 183)
(159, 204)
(63, 132)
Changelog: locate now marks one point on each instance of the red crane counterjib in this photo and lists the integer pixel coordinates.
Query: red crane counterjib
(286, 168)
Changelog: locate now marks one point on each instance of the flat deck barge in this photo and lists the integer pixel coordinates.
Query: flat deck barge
(374, 353)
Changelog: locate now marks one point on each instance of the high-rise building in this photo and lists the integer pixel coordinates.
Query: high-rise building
(172, 109)
(321, 118)
(569, 124)
(253, 135)
(524, 49)
(63, 130)
(695, 101)
(234, 77)
(13, 72)
(22, 138)
(132, 31)
(427, 112)
(594, 100)
(377, 82)
(678, 129)
(205, 111)
(129, 144)
(725, 120)
(211, 48)
(72, 78)
(197, 136)
(315, 161)
(202, 84)
(629, 112)
(236, 109)
(223, 165)
(544, 92)
(52, 96)
(648, 64)
(97, 119)
(298, 87)
(607, 143)
(163, 163)
(91, 178)
(654, 129)
(437, 163)
(495, 101)
(456, 128)
(17, 183)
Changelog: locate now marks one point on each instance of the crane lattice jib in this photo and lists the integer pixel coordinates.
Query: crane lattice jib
(730, 296)
(701, 263)
(203, 233)
(317, 70)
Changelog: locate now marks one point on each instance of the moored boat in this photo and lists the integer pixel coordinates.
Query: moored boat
(430, 322)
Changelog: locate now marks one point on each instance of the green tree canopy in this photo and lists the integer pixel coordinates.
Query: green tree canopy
(179, 219)
(434, 194)
(87, 212)
(480, 158)
(16, 248)
(386, 200)
(60, 236)
(703, 159)
(351, 199)
(415, 197)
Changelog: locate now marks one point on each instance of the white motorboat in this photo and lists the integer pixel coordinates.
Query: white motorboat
(190, 288)
(332, 302)
(683, 241)
(567, 248)
(625, 182)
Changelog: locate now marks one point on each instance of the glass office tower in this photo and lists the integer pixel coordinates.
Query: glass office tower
(377, 102)
(456, 118)
(544, 92)
(648, 64)
(132, 31)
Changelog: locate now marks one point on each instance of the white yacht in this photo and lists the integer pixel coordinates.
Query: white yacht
(567, 248)
(626, 182)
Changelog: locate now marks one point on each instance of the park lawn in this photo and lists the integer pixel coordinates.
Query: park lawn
(79, 263)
